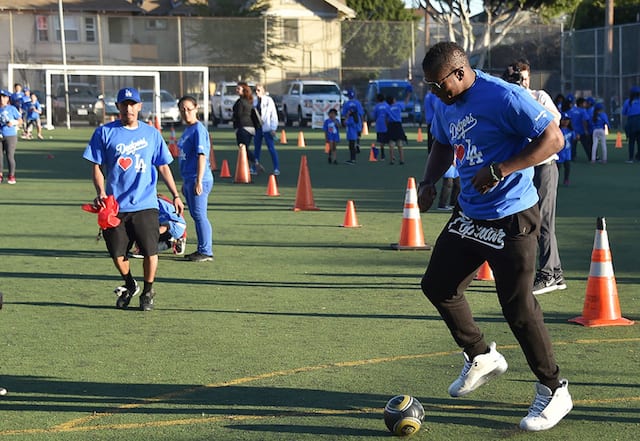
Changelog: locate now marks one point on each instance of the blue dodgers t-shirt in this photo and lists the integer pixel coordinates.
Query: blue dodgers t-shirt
(194, 142)
(331, 129)
(491, 122)
(129, 158)
(8, 114)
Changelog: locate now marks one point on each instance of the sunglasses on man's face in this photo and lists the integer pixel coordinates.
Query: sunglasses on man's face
(438, 85)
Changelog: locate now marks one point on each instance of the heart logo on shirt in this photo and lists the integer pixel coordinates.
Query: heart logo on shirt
(125, 162)
(459, 151)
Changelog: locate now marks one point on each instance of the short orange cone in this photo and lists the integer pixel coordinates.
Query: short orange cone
(484, 272)
(242, 175)
(327, 147)
(372, 154)
(304, 193)
(619, 140)
(301, 139)
(224, 171)
(411, 235)
(283, 137)
(173, 144)
(419, 138)
(272, 186)
(157, 123)
(365, 128)
(601, 306)
(212, 158)
(350, 218)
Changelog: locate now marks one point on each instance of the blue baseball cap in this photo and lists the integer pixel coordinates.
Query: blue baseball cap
(591, 100)
(570, 98)
(565, 115)
(5, 92)
(128, 94)
(351, 93)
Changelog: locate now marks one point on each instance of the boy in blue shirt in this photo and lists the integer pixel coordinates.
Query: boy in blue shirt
(496, 132)
(331, 128)
(127, 157)
(380, 114)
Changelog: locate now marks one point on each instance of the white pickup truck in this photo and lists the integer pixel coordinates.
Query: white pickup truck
(306, 99)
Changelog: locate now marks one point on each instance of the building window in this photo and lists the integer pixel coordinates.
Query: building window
(42, 27)
(156, 25)
(290, 30)
(71, 29)
(90, 29)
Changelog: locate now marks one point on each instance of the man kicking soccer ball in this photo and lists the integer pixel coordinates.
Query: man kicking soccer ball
(496, 132)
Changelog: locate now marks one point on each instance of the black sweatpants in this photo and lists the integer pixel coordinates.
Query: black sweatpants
(509, 245)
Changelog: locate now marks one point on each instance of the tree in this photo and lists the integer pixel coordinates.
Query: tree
(506, 15)
(380, 36)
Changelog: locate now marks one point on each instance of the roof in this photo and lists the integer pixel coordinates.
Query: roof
(71, 5)
(342, 8)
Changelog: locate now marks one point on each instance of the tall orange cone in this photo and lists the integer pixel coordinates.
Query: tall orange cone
(272, 186)
(484, 272)
(601, 306)
(619, 140)
(419, 138)
(283, 137)
(212, 158)
(350, 218)
(372, 153)
(365, 128)
(173, 144)
(224, 171)
(411, 235)
(304, 193)
(242, 175)
(301, 142)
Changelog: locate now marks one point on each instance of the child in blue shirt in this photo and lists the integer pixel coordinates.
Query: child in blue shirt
(599, 123)
(380, 114)
(33, 112)
(564, 155)
(331, 128)
(352, 122)
(394, 128)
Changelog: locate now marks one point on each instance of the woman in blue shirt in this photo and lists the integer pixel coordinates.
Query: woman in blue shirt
(10, 120)
(196, 174)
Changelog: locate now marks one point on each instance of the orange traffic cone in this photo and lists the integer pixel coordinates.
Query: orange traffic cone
(173, 144)
(157, 123)
(411, 235)
(350, 218)
(484, 272)
(224, 171)
(419, 138)
(272, 186)
(327, 147)
(283, 137)
(619, 140)
(242, 175)
(212, 158)
(601, 306)
(304, 193)
(372, 153)
(301, 139)
(365, 128)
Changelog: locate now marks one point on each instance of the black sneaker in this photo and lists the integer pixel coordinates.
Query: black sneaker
(146, 301)
(350, 162)
(560, 283)
(125, 295)
(544, 283)
(198, 257)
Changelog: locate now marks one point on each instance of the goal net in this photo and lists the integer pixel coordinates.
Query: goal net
(51, 81)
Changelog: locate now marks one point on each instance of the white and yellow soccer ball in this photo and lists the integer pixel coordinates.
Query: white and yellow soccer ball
(403, 415)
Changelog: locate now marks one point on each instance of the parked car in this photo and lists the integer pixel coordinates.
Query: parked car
(82, 97)
(169, 113)
(103, 109)
(307, 98)
(223, 99)
(401, 90)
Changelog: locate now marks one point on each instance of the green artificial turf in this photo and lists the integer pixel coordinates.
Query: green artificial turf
(300, 329)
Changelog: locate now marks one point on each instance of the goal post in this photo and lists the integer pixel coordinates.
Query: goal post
(112, 70)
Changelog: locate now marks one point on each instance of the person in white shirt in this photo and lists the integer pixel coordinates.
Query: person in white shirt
(269, 115)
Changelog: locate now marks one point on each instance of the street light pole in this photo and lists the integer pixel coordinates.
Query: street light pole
(64, 62)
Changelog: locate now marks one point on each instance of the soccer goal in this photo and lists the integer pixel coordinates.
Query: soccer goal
(189, 79)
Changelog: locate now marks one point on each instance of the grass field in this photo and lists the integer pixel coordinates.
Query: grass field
(300, 329)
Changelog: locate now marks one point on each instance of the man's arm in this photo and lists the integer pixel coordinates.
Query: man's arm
(98, 183)
(438, 162)
(549, 142)
(167, 177)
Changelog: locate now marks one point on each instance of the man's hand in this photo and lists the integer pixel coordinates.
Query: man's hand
(178, 205)
(484, 181)
(426, 195)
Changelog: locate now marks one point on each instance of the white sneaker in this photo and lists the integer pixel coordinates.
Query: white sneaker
(478, 371)
(547, 408)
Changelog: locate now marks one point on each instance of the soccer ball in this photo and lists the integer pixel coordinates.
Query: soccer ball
(403, 415)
